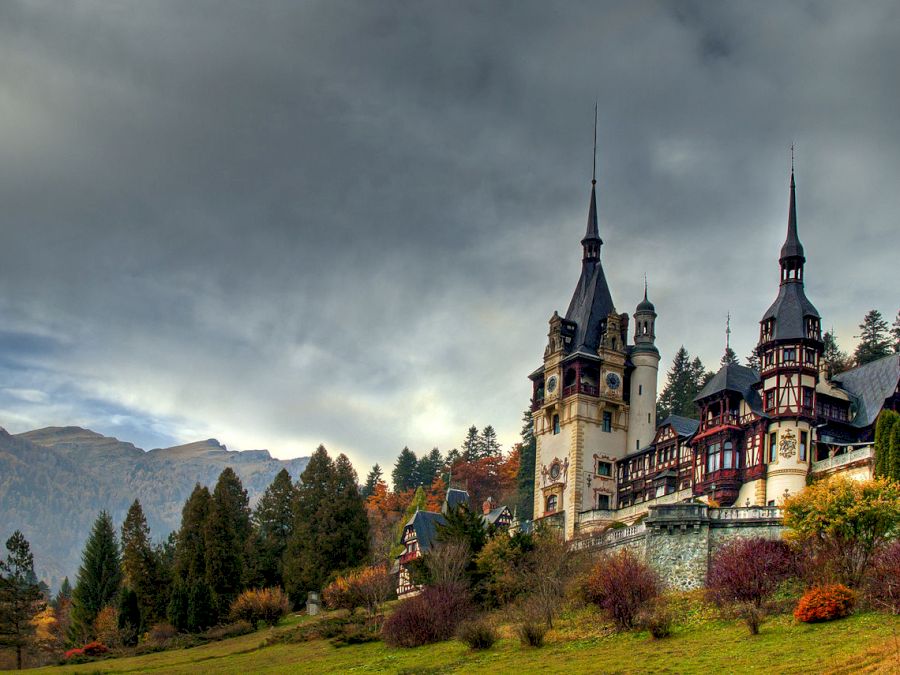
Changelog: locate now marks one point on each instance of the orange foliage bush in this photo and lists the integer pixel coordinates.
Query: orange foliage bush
(264, 604)
(369, 587)
(824, 603)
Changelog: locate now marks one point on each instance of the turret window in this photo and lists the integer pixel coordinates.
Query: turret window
(712, 458)
(551, 504)
(607, 421)
(773, 438)
(556, 424)
(790, 354)
(728, 456)
(803, 438)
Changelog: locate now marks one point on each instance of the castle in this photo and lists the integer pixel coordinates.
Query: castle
(603, 458)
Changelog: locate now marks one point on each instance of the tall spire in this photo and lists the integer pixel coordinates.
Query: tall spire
(792, 247)
(728, 333)
(592, 241)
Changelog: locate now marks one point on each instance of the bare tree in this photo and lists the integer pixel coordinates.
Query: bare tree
(546, 574)
(446, 562)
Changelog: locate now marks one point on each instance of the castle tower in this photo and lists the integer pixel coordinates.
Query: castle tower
(578, 406)
(645, 357)
(790, 348)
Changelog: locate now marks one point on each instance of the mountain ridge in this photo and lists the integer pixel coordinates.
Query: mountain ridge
(55, 480)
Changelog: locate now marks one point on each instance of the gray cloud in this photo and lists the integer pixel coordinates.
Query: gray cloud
(348, 223)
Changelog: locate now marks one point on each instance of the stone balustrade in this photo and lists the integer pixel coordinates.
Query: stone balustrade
(866, 453)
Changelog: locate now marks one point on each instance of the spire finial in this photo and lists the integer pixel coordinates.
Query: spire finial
(728, 332)
(645, 285)
(594, 167)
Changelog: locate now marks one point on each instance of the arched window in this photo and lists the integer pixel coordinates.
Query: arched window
(551, 504)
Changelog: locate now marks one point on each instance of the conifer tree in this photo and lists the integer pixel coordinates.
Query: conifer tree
(472, 445)
(404, 474)
(895, 333)
(99, 578)
(274, 523)
(348, 509)
(429, 467)
(139, 568)
(19, 595)
(836, 361)
(753, 361)
(884, 459)
(63, 595)
(201, 607)
(729, 357)
(894, 451)
(489, 445)
(683, 383)
(372, 479)
(227, 530)
(131, 619)
(190, 552)
(874, 339)
(177, 611)
(527, 460)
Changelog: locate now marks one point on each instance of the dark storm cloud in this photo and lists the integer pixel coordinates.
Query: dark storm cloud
(289, 223)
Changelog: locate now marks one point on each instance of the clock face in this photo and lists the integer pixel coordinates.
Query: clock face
(612, 381)
(551, 384)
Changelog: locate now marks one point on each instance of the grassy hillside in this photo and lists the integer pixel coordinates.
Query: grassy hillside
(582, 643)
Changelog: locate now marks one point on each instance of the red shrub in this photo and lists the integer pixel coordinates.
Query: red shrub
(824, 603)
(95, 648)
(883, 582)
(431, 616)
(621, 585)
(78, 651)
(749, 570)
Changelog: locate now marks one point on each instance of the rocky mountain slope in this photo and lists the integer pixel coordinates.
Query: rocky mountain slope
(54, 481)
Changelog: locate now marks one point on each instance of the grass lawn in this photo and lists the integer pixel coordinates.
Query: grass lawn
(582, 642)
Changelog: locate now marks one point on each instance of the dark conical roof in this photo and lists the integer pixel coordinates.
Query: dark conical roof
(792, 247)
(789, 310)
(737, 378)
(593, 231)
(645, 305)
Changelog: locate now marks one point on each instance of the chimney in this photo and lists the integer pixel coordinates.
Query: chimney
(487, 506)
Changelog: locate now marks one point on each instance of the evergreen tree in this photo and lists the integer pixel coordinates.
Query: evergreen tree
(874, 339)
(418, 503)
(177, 612)
(201, 606)
(164, 555)
(683, 382)
(372, 479)
(99, 578)
(453, 457)
(227, 531)
(895, 333)
(527, 458)
(64, 594)
(489, 446)
(894, 451)
(729, 357)
(131, 618)
(139, 565)
(190, 552)
(701, 376)
(472, 445)
(753, 361)
(404, 474)
(835, 360)
(884, 459)
(19, 595)
(429, 467)
(274, 523)
(331, 528)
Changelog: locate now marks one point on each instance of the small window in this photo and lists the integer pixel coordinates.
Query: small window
(648, 418)
(603, 502)
(713, 458)
(640, 389)
(810, 356)
(803, 438)
(604, 468)
(790, 354)
(807, 397)
(551, 504)
(728, 455)
(637, 444)
(607, 421)
(773, 438)
(556, 424)
(770, 399)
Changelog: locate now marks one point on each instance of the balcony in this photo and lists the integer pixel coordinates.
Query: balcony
(725, 419)
(864, 455)
(583, 388)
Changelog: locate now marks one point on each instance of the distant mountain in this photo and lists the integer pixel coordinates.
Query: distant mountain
(54, 482)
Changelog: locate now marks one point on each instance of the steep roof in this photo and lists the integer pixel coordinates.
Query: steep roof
(737, 378)
(870, 385)
(792, 247)
(491, 516)
(683, 426)
(789, 310)
(590, 306)
(454, 498)
(425, 523)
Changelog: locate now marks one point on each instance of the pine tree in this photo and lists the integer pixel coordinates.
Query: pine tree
(350, 543)
(429, 467)
(201, 606)
(874, 339)
(894, 452)
(835, 360)
(177, 611)
(372, 479)
(883, 452)
(472, 445)
(682, 385)
(489, 446)
(139, 564)
(701, 376)
(190, 552)
(99, 578)
(895, 333)
(227, 530)
(130, 617)
(753, 361)
(729, 357)
(527, 460)
(20, 595)
(274, 523)
(404, 474)
(63, 595)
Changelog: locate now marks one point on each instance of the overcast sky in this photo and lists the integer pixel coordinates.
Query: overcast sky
(285, 224)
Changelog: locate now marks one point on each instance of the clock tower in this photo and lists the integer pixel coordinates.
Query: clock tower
(580, 393)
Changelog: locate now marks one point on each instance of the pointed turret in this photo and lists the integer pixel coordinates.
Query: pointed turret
(792, 251)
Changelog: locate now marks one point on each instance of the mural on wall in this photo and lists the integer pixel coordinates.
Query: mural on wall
(557, 472)
(788, 445)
